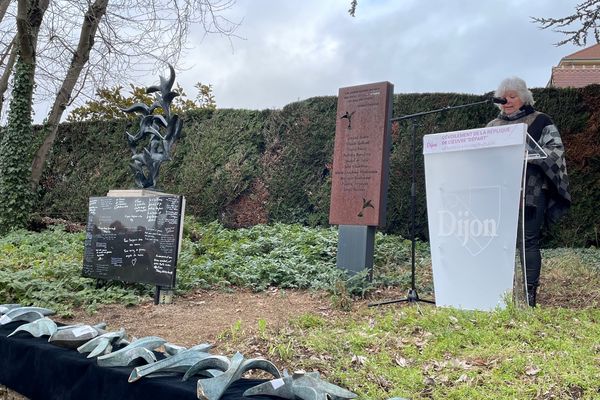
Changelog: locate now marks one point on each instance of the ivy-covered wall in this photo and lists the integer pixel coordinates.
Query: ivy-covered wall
(244, 167)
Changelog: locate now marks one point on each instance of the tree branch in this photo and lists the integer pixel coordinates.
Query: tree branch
(584, 21)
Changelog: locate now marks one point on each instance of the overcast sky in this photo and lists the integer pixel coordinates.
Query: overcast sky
(293, 50)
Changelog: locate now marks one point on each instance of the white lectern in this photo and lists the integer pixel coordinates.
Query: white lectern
(473, 183)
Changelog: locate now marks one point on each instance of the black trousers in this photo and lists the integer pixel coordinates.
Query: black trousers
(534, 221)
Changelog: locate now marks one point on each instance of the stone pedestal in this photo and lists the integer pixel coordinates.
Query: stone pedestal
(356, 246)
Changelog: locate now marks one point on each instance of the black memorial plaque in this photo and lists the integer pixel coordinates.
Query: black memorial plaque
(133, 239)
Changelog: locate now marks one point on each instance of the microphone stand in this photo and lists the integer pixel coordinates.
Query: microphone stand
(413, 295)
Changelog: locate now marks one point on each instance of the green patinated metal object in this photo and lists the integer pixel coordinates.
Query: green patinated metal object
(179, 363)
(211, 363)
(130, 357)
(5, 307)
(173, 349)
(28, 314)
(38, 328)
(213, 388)
(302, 386)
(209, 367)
(73, 336)
(133, 352)
(104, 343)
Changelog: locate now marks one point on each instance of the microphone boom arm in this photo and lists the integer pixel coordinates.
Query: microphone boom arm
(403, 117)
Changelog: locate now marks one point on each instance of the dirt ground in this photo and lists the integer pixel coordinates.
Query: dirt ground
(207, 316)
(204, 316)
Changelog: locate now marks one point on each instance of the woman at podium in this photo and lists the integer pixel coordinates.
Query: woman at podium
(547, 195)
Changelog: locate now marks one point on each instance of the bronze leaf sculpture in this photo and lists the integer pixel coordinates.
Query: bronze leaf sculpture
(161, 130)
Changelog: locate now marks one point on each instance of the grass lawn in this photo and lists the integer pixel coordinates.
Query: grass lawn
(413, 351)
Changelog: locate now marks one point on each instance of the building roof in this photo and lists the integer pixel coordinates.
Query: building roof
(579, 69)
(589, 53)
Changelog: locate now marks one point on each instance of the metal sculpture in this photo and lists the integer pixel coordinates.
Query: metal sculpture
(300, 385)
(131, 356)
(178, 363)
(213, 388)
(28, 314)
(217, 363)
(103, 344)
(145, 164)
(4, 308)
(138, 349)
(73, 336)
(172, 349)
(38, 328)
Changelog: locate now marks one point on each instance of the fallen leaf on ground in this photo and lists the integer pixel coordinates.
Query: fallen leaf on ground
(532, 370)
(361, 360)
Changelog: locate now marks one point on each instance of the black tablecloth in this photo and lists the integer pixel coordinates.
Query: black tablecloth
(39, 370)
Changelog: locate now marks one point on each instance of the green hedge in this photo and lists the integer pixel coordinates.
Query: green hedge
(223, 156)
(297, 165)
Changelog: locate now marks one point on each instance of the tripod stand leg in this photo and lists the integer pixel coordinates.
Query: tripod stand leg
(412, 296)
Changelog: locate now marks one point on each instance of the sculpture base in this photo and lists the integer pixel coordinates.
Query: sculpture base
(356, 247)
(135, 193)
(163, 295)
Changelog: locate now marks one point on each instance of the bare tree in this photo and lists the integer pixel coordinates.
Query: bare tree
(577, 26)
(81, 56)
(117, 40)
(134, 38)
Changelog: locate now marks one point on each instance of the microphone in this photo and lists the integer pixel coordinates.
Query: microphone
(499, 100)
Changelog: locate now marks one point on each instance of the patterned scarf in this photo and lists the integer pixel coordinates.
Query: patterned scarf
(523, 111)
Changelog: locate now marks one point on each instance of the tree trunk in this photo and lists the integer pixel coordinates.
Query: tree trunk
(3, 7)
(81, 56)
(12, 48)
(15, 197)
(29, 19)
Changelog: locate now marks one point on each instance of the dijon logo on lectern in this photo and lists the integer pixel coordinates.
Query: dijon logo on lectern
(466, 227)
(471, 217)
